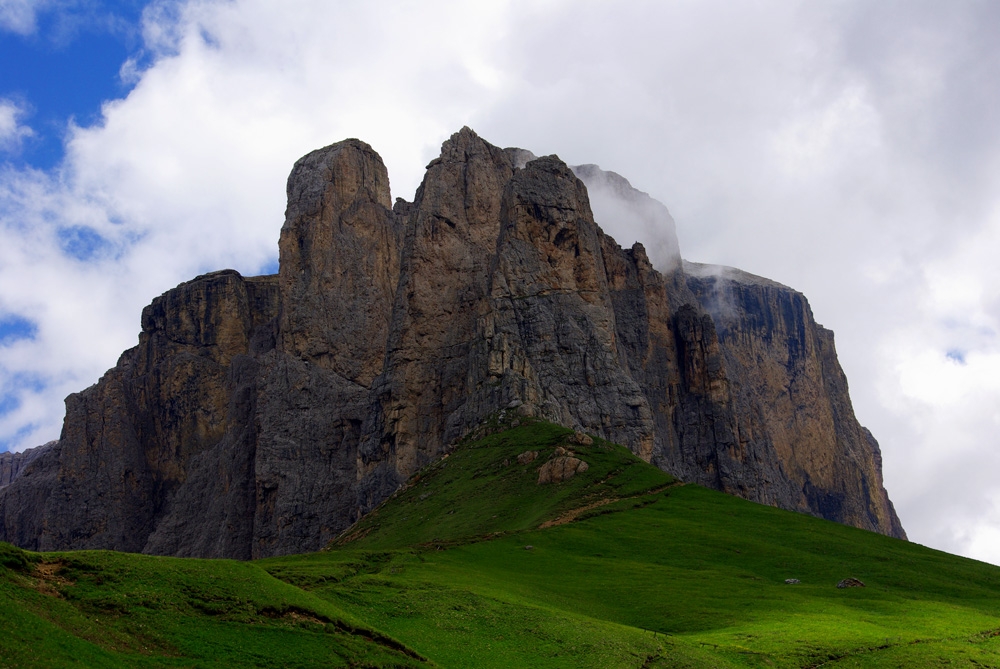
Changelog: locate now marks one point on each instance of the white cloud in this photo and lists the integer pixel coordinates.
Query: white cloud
(847, 149)
(77, 306)
(18, 16)
(12, 133)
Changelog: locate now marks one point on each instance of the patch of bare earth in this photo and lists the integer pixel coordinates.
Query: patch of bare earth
(573, 514)
(47, 579)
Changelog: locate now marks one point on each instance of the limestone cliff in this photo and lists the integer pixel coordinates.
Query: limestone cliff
(261, 416)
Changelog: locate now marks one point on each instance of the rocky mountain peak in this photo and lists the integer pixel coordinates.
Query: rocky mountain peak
(263, 415)
(335, 177)
(339, 260)
(546, 211)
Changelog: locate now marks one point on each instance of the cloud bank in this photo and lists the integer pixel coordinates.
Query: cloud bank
(848, 149)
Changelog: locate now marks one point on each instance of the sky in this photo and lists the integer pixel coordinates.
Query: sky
(848, 149)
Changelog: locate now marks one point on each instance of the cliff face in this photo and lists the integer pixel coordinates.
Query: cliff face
(11, 464)
(261, 416)
(790, 391)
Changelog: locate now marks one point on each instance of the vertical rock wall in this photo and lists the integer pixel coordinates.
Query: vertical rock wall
(791, 392)
(128, 443)
(449, 240)
(551, 329)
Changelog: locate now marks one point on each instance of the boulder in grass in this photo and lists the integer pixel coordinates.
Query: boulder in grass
(560, 469)
(850, 583)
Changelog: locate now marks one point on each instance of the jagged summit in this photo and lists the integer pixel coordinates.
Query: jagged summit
(261, 416)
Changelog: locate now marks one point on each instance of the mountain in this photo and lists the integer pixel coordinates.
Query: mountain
(532, 546)
(262, 416)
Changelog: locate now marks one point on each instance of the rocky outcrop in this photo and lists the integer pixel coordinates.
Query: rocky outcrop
(422, 399)
(550, 331)
(526, 457)
(339, 261)
(261, 416)
(12, 464)
(561, 468)
(22, 505)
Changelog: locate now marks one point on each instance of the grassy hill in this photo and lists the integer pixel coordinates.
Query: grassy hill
(475, 563)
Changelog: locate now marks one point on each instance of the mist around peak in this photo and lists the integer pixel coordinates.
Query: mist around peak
(630, 215)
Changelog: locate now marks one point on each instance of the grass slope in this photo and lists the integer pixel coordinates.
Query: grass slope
(481, 491)
(649, 574)
(107, 609)
(476, 564)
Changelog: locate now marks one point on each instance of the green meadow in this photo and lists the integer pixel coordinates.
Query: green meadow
(474, 564)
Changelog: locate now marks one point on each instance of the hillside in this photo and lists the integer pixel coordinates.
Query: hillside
(107, 609)
(475, 563)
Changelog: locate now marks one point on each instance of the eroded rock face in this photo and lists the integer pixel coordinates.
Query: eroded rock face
(551, 328)
(339, 261)
(12, 464)
(261, 416)
(20, 505)
(131, 441)
(421, 402)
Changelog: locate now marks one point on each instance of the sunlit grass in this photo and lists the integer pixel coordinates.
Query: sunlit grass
(465, 568)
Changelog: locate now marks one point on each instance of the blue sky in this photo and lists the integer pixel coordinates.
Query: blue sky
(59, 68)
(65, 67)
(848, 149)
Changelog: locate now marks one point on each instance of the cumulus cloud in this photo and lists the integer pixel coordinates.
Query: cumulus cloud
(847, 149)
